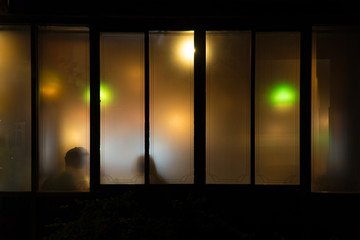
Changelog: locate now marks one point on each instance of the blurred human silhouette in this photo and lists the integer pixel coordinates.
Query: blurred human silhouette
(154, 177)
(73, 178)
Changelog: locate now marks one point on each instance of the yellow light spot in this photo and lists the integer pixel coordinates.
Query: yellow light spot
(187, 50)
(105, 94)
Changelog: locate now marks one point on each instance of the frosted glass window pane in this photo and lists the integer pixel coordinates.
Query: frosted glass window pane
(63, 108)
(122, 108)
(15, 109)
(335, 116)
(171, 107)
(277, 78)
(228, 75)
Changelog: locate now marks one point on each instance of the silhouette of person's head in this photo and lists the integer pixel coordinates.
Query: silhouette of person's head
(75, 158)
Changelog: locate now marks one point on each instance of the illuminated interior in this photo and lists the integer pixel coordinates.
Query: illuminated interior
(63, 113)
(64, 97)
(171, 107)
(277, 79)
(228, 76)
(122, 108)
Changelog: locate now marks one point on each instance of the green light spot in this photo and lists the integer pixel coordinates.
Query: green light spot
(106, 95)
(283, 94)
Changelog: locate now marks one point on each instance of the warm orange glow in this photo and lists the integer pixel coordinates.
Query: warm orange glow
(49, 91)
(71, 134)
(51, 86)
(176, 121)
(324, 122)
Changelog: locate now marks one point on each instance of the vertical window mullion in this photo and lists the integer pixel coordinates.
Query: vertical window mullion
(147, 115)
(34, 128)
(305, 108)
(252, 111)
(94, 108)
(199, 107)
(34, 111)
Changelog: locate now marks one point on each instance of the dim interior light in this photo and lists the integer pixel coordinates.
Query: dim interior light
(51, 84)
(6, 48)
(324, 122)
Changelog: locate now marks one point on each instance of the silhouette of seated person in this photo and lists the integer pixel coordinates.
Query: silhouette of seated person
(73, 179)
(154, 177)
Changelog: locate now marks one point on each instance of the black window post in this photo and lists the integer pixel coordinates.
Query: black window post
(34, 129)
(305, 108)
(147, 111)
(94, 108)
(200, 107)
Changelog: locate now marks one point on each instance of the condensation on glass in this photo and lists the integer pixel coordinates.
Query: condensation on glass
(228, 76)
(335, 117)
(63, 58)
(171, 107)
(122, 108)
(15, 108)
(277, 79)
